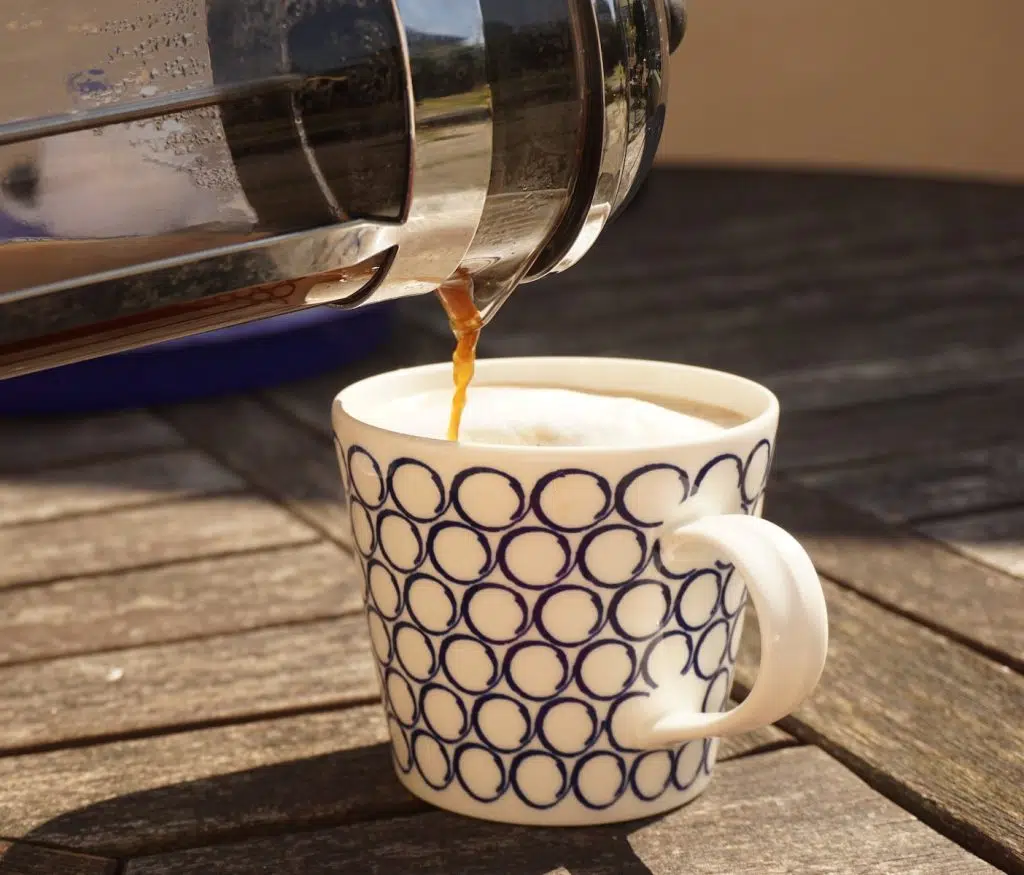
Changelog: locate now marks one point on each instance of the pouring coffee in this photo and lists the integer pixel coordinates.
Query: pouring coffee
(189, 167)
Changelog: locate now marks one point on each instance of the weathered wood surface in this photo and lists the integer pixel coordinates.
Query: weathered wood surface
(24, 859)
(215, 785)
(882, 287)
(995, 538)
(207, 786)
(126, 539)
(920, 716)
(894, 376)
(800, 810)
(422, 337)
(182, 664)
(29, 445)
(913, 425)
(962, 419)
(111, 485)
(176, 602)
(146, 689)
(859, 360)
(929, 485)
(274, 453)
(912, 574)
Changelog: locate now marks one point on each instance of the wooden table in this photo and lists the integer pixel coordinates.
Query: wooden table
(185, 679)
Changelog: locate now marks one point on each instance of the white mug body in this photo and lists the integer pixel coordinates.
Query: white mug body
(531, 620)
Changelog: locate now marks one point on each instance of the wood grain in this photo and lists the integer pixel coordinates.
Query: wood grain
(891, 375)
(897, 407)
(110, 485)
(924, 719)
(789, 811)
(929, 485)
(887, 315)
(28, 444)
(275, 454)
(812, 364)
(835, 290)
(207, 786)
(995, 538)
(215, 785)
(815, 363)
(137, 537)
(422, 336)
(186, 600)
(213, 679)
(913, 426)
(22, 859)
(912, 574)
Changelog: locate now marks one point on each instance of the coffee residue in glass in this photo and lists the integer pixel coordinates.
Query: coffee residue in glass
(457, 299)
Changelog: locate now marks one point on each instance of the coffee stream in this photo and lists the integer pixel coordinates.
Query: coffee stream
(457, 299)
(456, 295)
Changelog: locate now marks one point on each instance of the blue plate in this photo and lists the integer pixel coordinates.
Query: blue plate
(238, 359)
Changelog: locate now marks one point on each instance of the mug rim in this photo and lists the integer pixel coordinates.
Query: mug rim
(362, 394)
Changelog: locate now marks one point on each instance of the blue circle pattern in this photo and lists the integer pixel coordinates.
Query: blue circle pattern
(531, 745)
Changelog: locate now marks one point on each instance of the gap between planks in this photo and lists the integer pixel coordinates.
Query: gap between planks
(884, 700)
(145, 537)
(931, 486)
(27, 858)
(792, 810)
(283, 461)
(927, 722)
(905, 572)
(188, 600)
(224, 784)
(971, 501)
(146, 479)
(900, 571)
(324, 663)
(994, 538)
(37, 444)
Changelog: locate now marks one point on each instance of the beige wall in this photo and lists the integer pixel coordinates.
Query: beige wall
(921, 85)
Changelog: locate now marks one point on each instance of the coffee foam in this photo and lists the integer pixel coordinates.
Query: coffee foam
(540, 417)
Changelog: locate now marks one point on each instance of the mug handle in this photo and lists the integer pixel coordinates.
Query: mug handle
(790, 605)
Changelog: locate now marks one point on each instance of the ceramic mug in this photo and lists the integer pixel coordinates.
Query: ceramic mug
(556, 629)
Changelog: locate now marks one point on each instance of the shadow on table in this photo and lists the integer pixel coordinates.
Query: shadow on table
(284, 818)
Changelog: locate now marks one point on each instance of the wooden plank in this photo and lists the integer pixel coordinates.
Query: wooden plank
(806, 341)
(929, 485)
(110, 485)
(207, 786)
(995, 538)
(789, 811)
(913, 426)
(898, 568)
(215, 785)
(144, 689)
(421, 336)
(755, 267)
(186, 600)
(883, 377)
(24, 859)
(806, 362)
(275, 454)
(912, 574)
(863, 302)
(145, 536)
(929, 722)
(875, 421)
(28, 444)
(764, 339)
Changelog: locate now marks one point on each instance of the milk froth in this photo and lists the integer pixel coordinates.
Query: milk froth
(545, 417)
